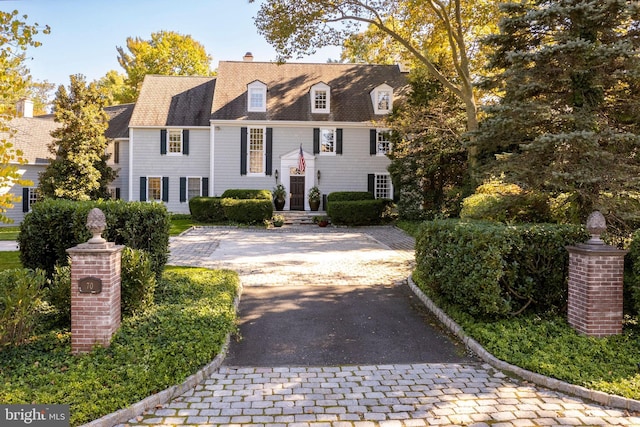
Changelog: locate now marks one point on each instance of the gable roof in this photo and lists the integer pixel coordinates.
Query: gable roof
(174, 101)
(33, 134)
(288, 88)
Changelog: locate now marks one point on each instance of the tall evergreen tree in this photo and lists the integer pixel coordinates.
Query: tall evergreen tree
(428, 159)
(79, 170)
(567, 121)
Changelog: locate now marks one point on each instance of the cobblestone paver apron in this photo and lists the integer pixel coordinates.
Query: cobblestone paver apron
(356, 396)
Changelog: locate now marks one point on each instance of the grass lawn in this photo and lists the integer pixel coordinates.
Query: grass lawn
(192, 315)
(9, 233)
(9, 260)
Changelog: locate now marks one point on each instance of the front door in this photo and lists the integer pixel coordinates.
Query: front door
(296, 184)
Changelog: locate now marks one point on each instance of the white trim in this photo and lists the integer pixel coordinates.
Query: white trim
(131, 165)
(292, 124)
(264, 152)
(374, 99)
(212, 146)
(260, 87)
(149, 177)
(290, 160)
(335, 141)
(312, 96)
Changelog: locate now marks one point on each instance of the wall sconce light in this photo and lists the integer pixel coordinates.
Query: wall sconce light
(318, 175)
(276, 174)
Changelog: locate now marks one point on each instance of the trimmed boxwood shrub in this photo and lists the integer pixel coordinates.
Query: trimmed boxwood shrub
(53, 226)
(247, 194)
(344, 196)
(358, 212)
(493, 270)
(207, 209)
(248, 211)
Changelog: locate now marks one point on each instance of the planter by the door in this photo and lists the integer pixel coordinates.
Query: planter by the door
(279, 204)
(314, 205)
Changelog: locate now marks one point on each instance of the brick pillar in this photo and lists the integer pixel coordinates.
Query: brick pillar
(95, 295)
(595, 289)
(95, 288)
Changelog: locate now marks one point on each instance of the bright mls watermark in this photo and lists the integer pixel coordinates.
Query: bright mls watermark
(34, 415)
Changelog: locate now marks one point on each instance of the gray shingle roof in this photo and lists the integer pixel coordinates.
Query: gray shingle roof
(174, 101)
(33, 134)
(288, 88)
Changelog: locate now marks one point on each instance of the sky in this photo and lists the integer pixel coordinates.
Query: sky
(85, 33)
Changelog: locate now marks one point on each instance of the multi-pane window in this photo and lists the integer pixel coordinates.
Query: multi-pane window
(383, 143)
(384, 100)
(384, 188)
(193, 187)
(256, 150)
(327, 141)
(34, 196)
(256, 99)
(154, 188)
(175, 141)
(320, 100)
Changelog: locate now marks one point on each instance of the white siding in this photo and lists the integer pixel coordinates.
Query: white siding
(147, 161)
(346, 172)
(31, 173)
(121, 168)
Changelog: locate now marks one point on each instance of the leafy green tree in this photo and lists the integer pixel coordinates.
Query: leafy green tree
(567, 121)
(419, 30)
(79, 170)
(166, 53)
(15, 37)
(114, 87)
(428, 159)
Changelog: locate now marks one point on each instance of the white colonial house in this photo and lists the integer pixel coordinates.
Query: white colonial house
(247, 127)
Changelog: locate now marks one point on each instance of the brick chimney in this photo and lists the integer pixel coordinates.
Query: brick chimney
(24, 108)
(248, 57)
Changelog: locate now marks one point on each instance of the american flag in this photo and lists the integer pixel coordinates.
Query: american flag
(301, 163)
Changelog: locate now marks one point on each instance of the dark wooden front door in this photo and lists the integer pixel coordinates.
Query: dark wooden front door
(296, 184)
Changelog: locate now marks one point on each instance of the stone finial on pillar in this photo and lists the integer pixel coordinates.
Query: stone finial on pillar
(96, 223)
(596, 226)
(595, 283)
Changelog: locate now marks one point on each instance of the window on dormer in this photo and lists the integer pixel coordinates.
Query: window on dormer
(257, 97)
(382, 98)
(320, 98)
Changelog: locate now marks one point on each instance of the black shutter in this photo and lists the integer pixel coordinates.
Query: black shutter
(117, 193)
(183, 189)
(371, 184)
(269, 160)
(205, 187)
(338, 141)
(243, 151)
(185, 141)
(165, 188)
(373, 140)
(143, 188)
(163, 141)
(25, 199)
(316, 140)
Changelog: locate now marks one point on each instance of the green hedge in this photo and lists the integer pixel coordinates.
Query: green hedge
(358, 212)
(344, 196)
(53, 226)
(493, 270)
(247, 194)
(207, 209)
(247, 211)
(632, 275)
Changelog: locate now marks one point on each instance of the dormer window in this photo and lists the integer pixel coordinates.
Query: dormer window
(320, 98)
(382, 98)
(257, 97)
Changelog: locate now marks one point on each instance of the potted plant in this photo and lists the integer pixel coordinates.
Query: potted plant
(321, 220)
(314, 198)
(279, 196)
(278, 220)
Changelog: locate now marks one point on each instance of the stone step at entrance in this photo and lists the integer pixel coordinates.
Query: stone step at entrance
(299, 217)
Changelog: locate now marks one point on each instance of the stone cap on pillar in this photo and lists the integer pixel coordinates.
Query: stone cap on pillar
(96, 224)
